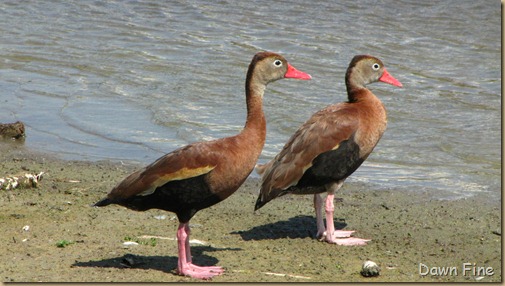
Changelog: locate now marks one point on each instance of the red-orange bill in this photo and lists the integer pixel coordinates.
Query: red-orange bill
(387, 78)
(294, 73)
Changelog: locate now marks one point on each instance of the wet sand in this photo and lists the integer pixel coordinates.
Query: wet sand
(414, 237)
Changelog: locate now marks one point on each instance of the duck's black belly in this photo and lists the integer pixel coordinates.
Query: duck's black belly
(331, 166)
(183, 197)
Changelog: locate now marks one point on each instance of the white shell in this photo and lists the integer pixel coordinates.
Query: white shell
(370, 269)
(130, 243)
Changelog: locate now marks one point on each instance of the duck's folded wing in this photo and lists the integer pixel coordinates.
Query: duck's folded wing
(324, 131)
(188, 162)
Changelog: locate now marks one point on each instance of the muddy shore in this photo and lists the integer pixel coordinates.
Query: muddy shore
(51, 234)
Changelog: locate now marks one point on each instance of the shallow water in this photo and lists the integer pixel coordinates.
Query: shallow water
(132, 80)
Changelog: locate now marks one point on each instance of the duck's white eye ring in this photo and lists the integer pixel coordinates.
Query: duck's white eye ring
(376, 67)
(278, 63)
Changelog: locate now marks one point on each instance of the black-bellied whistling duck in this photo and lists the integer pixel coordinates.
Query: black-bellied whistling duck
(202, 174)
(330, 146)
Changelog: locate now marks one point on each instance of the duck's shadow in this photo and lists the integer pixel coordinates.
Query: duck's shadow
(296, 227)
(161, 263)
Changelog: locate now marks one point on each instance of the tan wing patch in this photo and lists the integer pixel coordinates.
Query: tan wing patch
(297, 178)
(180, 174)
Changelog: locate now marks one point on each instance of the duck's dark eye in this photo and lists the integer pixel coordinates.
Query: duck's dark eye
(278, 63)
(376, 67)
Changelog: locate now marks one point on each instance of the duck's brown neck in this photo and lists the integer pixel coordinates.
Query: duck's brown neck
(255, 122)
(358, 93)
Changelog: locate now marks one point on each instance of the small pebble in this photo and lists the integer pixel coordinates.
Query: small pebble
(128, 261)
(370, 269)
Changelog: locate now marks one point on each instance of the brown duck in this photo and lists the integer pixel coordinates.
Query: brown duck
(330, 146)
(202, 174)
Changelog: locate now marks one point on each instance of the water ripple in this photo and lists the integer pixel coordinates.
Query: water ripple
(131, 80)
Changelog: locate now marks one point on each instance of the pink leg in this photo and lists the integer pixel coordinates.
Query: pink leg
(318, 207)
(186, 243)
(184, 265)
(340, 237)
